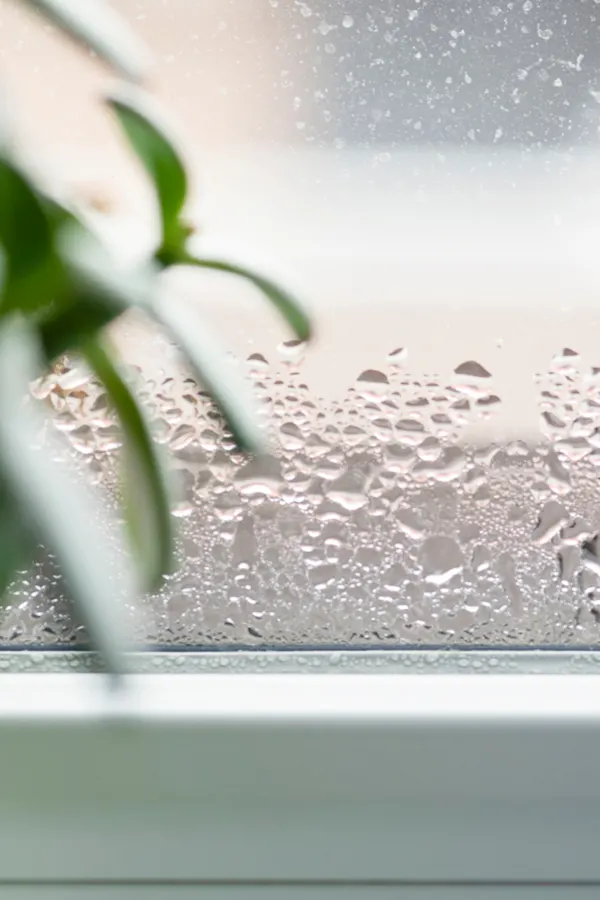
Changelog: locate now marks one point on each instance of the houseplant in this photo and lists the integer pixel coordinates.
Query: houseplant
(60, 287)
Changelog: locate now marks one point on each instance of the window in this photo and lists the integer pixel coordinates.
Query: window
(425, 175)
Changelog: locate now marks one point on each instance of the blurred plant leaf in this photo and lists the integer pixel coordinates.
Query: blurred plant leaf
(100, 290)
(146, 499)
(17, 545)
(22, 214)
(165, 167)
(287, 305)
(71, 328)
(210, 365)
(62, 514)
(97, 26)
(32, 270)
(156, 151)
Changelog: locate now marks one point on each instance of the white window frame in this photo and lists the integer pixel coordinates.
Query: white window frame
(397, 777)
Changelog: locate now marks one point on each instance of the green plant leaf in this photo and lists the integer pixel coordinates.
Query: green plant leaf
(63, 515)
(24, 229)
(209, 363)
(287, 305)
(71, 328)
(146, 498)
(17, 545)
(99, 291)
(156, 151)
(32, 270)
(97, 26)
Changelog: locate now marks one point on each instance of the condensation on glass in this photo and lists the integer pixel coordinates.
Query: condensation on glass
(427, 176)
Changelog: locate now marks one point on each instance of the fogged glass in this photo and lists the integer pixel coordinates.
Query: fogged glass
(425, 176)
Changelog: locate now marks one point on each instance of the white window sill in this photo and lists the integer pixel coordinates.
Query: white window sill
(282, 779)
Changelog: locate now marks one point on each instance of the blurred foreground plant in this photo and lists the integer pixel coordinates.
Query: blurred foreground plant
(60, 287)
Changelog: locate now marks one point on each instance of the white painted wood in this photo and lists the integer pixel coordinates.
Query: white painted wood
(301, 778)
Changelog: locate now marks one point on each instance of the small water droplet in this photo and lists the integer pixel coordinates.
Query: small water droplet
(397, 357)
(292, 352)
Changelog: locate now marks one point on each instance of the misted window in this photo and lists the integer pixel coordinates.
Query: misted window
(427, 176)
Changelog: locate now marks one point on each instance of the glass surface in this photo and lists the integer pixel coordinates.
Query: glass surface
(426, 176)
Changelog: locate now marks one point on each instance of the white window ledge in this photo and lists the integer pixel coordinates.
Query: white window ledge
(310, 780)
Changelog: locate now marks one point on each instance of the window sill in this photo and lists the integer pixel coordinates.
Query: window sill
(301, 779)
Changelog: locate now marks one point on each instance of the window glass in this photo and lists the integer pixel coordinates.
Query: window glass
(426, 175)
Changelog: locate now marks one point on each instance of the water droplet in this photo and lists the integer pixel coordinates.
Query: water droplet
(409, 523)
(182, 510)
(257, 364)
(410, 432)
(568, 563)
(590, 555)
(244, 546)
(552, 518)
(292, 352)
(290, 437)
(315, 447)
(372, 384)
(323, 575)
(473, 369)
(397, 357)
(553, 422)
(398, 458)
(181, 437)
(393, 578)
(442, 560)
(577, 532)
(227, 506)
(559, 481)
(447, 468)
(347, 492)
(566, 361)
(574, 448)
(507, 571)
(481, 559)
(429, 450)
(259, 477)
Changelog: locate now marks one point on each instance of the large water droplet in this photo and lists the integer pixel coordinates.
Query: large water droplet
(372, 384)
(347, 491)
(590, 555)
(442, 560)
(559, 480)
(409, 523)
(552, 518)
(291, 437)
(259, 477)
(473, 369)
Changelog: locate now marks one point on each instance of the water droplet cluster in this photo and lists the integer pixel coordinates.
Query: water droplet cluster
(372, 522)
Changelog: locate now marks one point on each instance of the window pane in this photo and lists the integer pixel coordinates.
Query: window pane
(425, 175)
